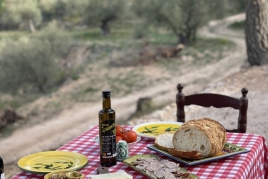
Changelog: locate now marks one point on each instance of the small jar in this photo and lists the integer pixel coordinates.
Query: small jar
(122, 150)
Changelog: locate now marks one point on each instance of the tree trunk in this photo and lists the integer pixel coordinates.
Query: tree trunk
(182, 39)
(256, 31)
(31, 25)
(105, 28)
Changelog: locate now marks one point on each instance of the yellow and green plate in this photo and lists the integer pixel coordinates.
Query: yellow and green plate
(153, 129)
(52, 161)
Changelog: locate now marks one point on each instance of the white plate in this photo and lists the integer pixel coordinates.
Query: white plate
(152, 129)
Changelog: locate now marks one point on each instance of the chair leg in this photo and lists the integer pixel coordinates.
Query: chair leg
(242, 118)
(180, 99)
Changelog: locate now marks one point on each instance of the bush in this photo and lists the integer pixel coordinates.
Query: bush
(58, 39)
(27, 67)
(32, 64)
(140, 31)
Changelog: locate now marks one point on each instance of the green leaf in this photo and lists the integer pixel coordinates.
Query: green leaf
(154, 126)
(147, 129)
(48, 166)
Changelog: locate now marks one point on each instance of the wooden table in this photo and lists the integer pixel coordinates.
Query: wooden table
(249, 165)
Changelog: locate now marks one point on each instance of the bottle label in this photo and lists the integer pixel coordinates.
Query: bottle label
(3, 176)
(108, 139)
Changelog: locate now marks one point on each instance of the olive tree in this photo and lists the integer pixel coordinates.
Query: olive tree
(183, 17)
(104, 12)
(18, 13)
(63, 10)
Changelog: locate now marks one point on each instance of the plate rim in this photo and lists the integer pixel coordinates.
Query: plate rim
(25, 159)
(149, 123)
(200, 161)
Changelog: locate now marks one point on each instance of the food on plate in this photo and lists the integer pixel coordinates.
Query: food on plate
(153, 129)
(197, 139)
(64, 175)
(161, 168)
(58, 176)
(128, 135)
(116, 175)
(119, 131)
(164, 141)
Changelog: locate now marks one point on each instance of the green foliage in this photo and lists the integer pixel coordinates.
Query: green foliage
(238, 25)
(27, 66)
(104, 12)
(140, 31)
(20, 14)
(63, 10)
(237, 6)
(182, 17)
(31, 65)
(59, 40)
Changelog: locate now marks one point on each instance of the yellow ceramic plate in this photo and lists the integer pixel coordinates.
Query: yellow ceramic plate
(153, 129)
(52, 161)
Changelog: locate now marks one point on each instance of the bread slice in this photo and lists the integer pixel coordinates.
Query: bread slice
(164, 141)
(192, 137)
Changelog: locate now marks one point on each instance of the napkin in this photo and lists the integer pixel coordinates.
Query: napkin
(116, 175)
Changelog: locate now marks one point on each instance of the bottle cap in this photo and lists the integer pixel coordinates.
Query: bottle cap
(106, 94)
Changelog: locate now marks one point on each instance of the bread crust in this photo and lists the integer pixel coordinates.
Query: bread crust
(212, 129)
(183, 154)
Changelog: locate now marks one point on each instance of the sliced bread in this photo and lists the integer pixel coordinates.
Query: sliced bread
(164, 141)
(199, 139)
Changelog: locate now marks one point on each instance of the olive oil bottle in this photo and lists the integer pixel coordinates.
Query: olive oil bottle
(2, 174)
(107, 132)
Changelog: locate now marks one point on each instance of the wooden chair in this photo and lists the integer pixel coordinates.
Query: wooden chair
(217, 101)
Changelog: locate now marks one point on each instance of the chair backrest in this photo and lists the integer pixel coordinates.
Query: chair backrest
(217, 101)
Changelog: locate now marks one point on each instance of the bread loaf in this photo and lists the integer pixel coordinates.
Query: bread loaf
(164, 141)
(199, 138)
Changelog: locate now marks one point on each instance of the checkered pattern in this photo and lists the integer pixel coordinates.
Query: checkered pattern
(249, 165)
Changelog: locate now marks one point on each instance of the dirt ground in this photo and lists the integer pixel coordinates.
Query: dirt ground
(253, 78)
(71, 123)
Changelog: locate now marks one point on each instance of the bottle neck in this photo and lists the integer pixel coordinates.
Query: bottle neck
(106, 103)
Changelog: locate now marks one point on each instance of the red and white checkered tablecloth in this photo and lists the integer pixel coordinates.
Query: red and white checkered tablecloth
(249, 165)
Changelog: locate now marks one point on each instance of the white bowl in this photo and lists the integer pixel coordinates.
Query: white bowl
(130, 145)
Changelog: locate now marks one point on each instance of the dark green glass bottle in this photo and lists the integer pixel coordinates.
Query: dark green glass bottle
(2, 174)
(107, 132)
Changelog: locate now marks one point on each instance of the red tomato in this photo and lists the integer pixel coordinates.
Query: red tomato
(118, 138)
(119, 130)
(130, 136)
